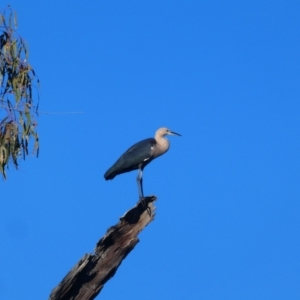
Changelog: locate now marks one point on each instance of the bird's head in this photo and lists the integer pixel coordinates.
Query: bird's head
(165, 131)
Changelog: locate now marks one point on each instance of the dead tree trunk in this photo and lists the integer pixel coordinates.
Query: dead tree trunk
(88, 276)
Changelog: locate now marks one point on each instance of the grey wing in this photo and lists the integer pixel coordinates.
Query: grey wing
(132, 158)
(139, 152)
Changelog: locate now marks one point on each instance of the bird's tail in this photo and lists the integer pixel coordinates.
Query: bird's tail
(109, 174)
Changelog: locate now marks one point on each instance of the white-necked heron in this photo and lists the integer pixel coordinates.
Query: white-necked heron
(140, 155)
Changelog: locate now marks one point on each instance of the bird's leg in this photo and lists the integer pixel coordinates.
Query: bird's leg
(141, 192)
(140, 183)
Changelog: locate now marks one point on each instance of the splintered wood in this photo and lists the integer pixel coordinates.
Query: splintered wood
(88, 276)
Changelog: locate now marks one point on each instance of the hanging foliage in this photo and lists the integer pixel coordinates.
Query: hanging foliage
(18, 88)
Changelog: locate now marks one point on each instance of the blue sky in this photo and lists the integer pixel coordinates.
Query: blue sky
(224, 74)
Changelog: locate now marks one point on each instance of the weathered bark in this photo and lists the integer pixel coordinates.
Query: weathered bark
(88, 276)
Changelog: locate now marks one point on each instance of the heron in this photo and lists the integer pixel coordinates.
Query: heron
(138, 156)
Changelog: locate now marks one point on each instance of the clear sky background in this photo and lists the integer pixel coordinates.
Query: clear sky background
(224, 74)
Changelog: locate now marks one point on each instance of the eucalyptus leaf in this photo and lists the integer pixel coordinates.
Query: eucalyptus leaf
(19, 94)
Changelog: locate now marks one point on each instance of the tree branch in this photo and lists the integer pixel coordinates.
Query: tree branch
(88, 276)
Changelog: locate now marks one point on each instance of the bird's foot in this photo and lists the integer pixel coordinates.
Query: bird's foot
(144, 202)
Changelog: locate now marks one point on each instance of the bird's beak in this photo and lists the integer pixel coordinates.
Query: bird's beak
(174, 133)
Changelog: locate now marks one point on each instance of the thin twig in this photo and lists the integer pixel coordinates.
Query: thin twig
(61, 113)
(46, 112)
